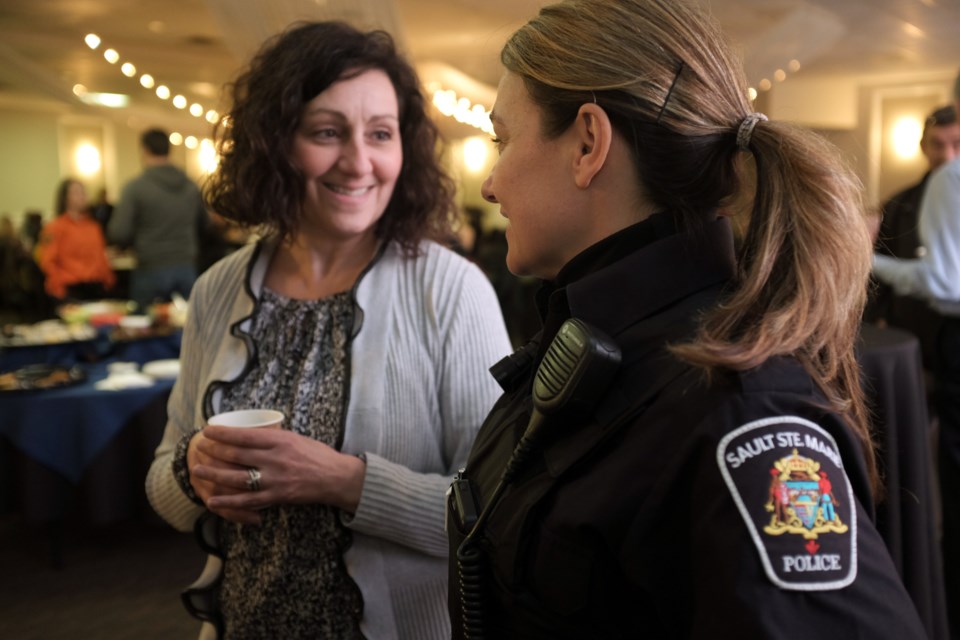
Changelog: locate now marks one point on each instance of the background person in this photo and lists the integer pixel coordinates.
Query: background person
(159, 213)
(935, 277)
(12, 255)
(622, 129)
(102, 209)
(899, 236)
(72, 250)
(373, 340)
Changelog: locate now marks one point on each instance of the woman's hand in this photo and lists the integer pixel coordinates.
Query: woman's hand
(206, 489)
(294, 469)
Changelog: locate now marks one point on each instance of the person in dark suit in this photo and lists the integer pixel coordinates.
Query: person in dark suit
(899, 237)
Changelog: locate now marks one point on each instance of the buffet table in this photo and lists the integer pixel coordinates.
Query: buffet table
(82, 451)
(103, 346)
(65, 429)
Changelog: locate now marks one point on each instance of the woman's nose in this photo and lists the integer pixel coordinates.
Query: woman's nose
(354, 157)
(486, 190)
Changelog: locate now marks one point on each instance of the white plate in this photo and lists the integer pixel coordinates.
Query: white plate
(135, 322)
(128, 380)
(161, 369)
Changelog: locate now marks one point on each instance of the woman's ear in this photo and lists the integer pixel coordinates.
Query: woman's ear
(594, 134)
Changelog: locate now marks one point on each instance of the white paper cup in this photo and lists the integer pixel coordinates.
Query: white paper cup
(248, 419)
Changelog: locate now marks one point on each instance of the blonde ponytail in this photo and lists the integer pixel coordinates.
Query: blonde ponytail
(803, 268)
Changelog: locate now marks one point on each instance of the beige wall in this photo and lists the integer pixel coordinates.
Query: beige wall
(37, 140)
(29, 161)
(857, 114)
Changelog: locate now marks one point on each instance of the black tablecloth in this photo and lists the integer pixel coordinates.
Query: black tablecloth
(893, 379)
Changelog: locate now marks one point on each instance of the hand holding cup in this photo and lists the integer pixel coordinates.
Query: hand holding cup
(223, 469)
(258, 467)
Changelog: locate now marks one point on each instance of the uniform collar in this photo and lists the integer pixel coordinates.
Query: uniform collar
(636, 272)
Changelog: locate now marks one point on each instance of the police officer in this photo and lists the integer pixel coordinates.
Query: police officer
(716, 478)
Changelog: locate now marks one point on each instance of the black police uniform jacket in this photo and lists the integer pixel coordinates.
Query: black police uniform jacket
(680, 506)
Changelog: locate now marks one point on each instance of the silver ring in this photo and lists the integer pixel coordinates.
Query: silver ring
(253, 482)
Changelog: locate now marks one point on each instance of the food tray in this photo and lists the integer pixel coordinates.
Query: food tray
(36, 377)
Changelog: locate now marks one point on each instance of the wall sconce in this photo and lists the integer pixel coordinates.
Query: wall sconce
(207, 156)
(475, 151)
(86, 158)
(905, 136)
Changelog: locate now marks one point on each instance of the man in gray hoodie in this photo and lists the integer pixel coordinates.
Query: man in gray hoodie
(160, 213)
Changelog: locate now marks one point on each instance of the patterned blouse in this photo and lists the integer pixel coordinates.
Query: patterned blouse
(286, 578)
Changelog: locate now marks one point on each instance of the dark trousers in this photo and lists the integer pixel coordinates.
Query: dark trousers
(149, 285)
(85, 291)
(948, 411)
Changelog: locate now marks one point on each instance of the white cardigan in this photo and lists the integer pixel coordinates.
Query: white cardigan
(429, 328)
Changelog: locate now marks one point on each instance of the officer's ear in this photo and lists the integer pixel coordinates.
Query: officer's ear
(593, 133)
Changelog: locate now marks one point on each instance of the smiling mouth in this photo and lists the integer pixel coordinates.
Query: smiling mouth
(348, 192)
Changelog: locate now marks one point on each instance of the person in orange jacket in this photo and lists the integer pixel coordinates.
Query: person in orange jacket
(73, 253)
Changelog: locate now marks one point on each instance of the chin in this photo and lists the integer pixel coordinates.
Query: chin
(514, 266)
(522, 269)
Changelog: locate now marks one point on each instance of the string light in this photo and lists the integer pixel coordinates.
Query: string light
(446, 101)
(88, 157)
(461, 110)
(779, 75)
(147, 81)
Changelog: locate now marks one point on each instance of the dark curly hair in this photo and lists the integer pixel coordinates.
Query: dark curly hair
(256, 184)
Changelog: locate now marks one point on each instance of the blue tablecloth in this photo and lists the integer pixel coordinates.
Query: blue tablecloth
(64, 429)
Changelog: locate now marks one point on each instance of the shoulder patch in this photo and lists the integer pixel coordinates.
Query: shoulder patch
(787, 479)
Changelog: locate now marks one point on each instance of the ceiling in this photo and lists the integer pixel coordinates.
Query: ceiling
(194, 46)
